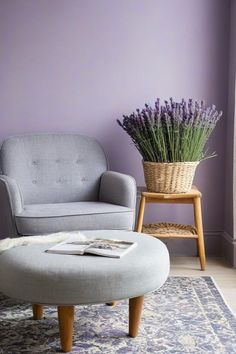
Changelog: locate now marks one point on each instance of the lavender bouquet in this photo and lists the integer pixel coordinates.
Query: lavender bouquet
(174, 132)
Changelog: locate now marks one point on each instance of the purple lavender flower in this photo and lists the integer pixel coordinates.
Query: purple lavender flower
(175, 131)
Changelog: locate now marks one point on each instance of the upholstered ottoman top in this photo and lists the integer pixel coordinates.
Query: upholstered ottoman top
(30, 274)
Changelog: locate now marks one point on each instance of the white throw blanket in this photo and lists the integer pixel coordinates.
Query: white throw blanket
(8, 243)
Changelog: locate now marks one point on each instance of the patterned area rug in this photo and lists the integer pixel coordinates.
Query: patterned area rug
(187, 315)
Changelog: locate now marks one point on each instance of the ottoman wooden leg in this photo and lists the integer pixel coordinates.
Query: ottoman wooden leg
(135, 311)
(66, 322)
(37, 311)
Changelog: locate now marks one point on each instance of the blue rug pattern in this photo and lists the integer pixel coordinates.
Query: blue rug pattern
(187, 315)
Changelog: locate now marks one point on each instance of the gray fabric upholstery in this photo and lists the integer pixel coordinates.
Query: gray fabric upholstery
(10, 203)
(45, 218)
(117, 188)
(54, 168)
(35, 276)
(12, 189)
(48, 170)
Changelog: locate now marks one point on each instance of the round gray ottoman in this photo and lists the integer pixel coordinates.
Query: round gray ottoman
(30, 274)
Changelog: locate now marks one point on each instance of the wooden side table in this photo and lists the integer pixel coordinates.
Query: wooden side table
(168, 230)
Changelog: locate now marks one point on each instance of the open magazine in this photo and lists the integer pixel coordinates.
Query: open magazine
(99, 247)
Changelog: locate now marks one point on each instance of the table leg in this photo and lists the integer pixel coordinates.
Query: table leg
(135, 311)
(37, 311)
(141, 214)
(198, 224)
(66, 322)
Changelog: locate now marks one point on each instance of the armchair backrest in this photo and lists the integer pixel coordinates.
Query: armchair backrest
(54, 168)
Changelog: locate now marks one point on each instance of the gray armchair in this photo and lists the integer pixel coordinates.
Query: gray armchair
(61, 182)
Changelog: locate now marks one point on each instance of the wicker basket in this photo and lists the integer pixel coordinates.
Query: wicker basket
(176, 177)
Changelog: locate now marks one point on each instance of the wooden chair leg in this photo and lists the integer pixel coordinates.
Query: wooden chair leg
(112, 303)
(198, 224)
(141, 214)
(66, 322)
(135, 311)
(37, 311)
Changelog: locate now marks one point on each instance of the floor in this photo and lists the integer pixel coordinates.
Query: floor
(223, 275)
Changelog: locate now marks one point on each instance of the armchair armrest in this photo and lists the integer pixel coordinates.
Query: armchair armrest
(118, 188)
(11, 203)
(9, 187)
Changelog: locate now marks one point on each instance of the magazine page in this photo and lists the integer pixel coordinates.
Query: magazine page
(110, 248)
(100, 247)
(70, 247)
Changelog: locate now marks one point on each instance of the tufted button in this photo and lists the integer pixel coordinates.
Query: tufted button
(34, 181)
(79, 161)
(61, 180)
(58, 160)
(84, 179)
(35, 162)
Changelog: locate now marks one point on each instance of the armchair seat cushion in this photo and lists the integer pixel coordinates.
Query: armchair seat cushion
(46, 218)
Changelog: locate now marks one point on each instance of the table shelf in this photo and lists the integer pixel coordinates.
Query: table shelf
(170, 230)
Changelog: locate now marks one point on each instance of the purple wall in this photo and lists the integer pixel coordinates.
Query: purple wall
(230, 125)
(77, 65)
(229, 235)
